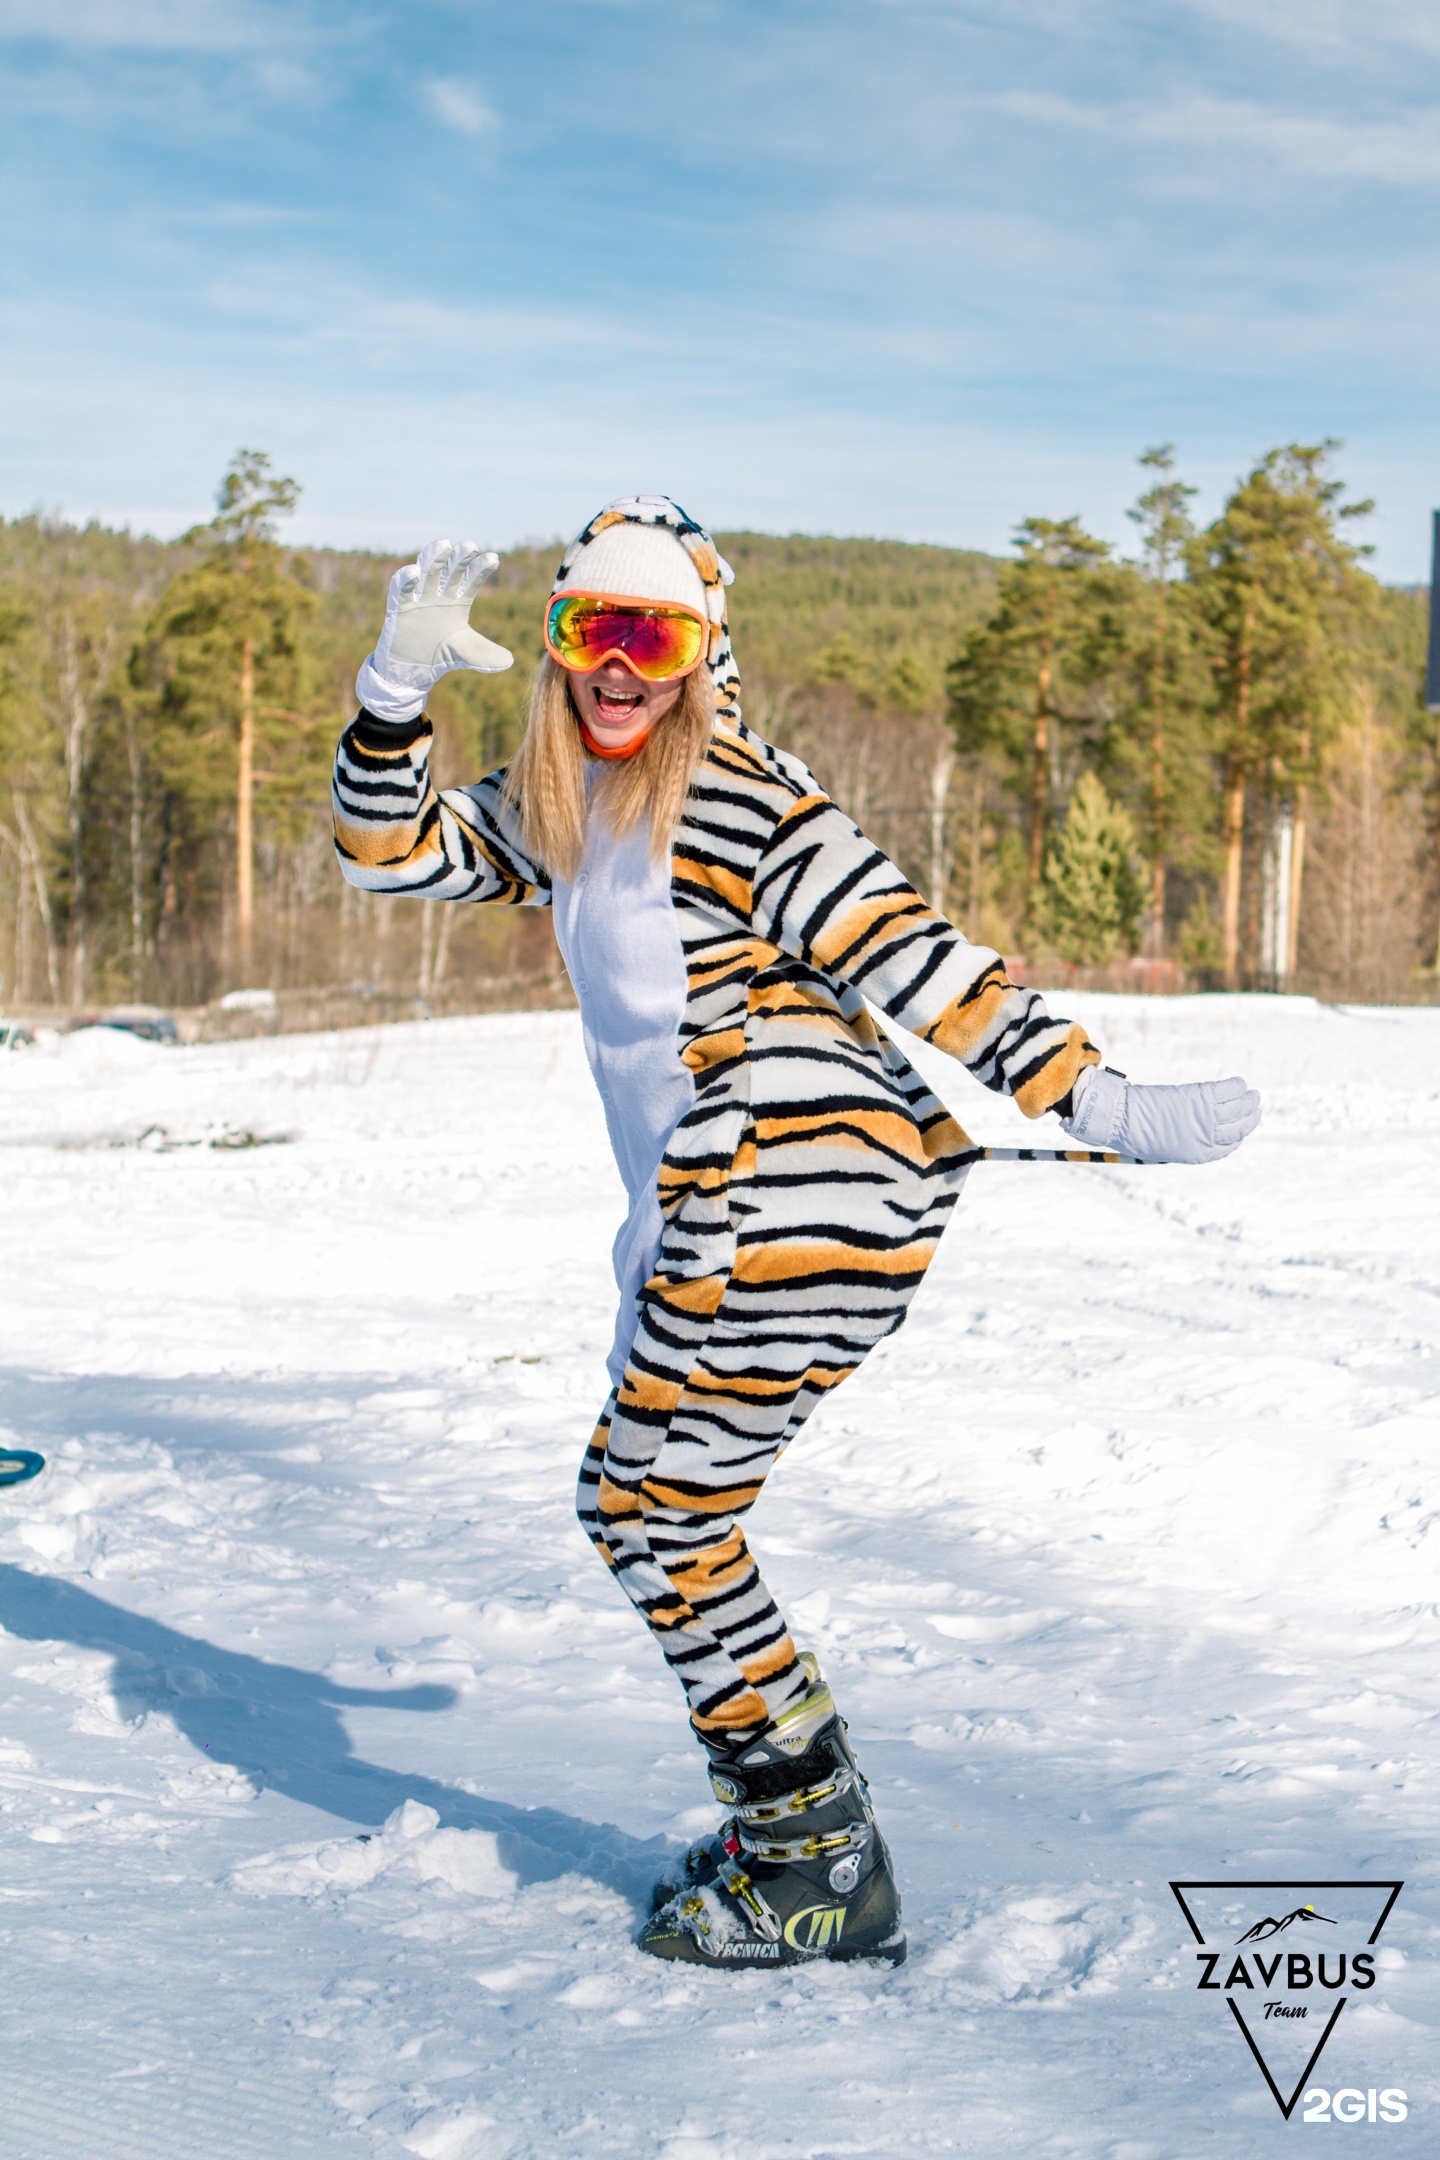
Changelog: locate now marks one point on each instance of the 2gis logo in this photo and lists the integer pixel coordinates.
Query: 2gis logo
(1285, 1958)
(1351, 2105)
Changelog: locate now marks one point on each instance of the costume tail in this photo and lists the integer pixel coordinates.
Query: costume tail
(1046, 1154)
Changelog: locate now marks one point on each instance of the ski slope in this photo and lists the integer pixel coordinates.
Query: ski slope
(332, 1765)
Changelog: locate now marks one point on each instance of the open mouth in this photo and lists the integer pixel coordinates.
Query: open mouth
(617, 704)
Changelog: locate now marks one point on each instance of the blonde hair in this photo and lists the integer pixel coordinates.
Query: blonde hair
(546, 782)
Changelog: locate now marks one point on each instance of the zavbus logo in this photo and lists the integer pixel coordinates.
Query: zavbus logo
(1289, 1971)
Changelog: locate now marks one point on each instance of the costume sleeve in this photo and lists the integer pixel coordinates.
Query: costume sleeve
(395, 834)
(825, 895)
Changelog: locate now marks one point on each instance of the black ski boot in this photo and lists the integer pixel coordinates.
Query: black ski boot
(800, 1871)
(702, 1862)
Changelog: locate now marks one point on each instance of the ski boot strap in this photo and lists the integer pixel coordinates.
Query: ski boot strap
(825, 1845)
(799, 1802)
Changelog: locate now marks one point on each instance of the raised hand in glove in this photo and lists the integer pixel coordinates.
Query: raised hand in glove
(1197, 1123)
(427, 630)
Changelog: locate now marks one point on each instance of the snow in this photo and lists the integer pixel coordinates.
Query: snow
(332, 1765)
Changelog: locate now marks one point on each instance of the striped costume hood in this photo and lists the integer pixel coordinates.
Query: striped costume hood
(714, 572)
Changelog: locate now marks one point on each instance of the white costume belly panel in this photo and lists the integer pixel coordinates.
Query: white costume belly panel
(620, 940)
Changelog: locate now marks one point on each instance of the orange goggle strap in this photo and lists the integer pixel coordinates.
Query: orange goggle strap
(621, 604)
(615, 757)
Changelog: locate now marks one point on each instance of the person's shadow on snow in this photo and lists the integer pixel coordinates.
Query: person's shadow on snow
(281, 1728)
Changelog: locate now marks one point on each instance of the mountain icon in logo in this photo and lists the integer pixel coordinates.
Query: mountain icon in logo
(1264, 1929)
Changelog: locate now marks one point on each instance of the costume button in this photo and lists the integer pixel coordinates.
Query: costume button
(582, 988)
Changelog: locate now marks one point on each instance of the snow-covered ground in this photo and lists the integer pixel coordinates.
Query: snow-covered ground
(1122, 1558)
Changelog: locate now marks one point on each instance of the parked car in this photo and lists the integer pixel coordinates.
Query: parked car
(146, 1021)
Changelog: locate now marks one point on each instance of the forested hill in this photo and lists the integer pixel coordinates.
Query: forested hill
(883, 616)
(1211, 761)
(119, 724)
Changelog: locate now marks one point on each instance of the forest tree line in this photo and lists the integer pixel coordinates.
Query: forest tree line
(1211, 757)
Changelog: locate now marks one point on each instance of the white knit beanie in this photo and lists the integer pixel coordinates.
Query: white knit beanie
(642, 562)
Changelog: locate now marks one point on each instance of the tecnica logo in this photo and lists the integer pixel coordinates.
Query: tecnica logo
(1286, 1957)
(815, 1927)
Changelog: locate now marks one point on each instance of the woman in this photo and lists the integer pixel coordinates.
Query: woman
(726, 928)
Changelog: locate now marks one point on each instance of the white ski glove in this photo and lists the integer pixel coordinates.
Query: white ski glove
(1197, 1123)
(427, 631)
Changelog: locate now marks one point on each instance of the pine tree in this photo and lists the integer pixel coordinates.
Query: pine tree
(1278, 584)
(1027, 671)
(227, 647)
(1161, 650)
(1093, 898)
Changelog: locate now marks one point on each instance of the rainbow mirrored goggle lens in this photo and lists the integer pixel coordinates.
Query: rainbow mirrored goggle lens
(656, 641)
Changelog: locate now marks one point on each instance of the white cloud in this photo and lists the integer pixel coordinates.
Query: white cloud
(459, 104)
(1403, 152)
(931, 236)
(1322, 29)
(310, 313)
(1330, 28)
(157, 25)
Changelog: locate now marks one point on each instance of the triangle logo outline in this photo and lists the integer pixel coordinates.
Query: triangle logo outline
(1306, 1883)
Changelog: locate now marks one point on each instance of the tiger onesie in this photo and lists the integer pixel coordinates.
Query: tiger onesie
(789, 1174)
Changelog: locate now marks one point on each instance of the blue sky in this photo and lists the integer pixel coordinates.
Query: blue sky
(911, 267)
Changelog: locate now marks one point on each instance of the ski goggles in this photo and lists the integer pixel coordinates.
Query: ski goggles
(656, 640)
